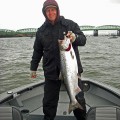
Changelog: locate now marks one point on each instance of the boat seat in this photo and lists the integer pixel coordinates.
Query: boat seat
(103, 113)
(10, 113)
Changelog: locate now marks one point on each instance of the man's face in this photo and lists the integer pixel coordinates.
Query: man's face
(51, 14)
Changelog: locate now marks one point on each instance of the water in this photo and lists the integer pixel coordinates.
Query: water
(100, 59)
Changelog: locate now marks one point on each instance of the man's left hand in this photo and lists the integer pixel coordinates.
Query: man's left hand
(71, 35)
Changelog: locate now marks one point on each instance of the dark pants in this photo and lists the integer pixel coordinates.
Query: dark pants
(51, 97)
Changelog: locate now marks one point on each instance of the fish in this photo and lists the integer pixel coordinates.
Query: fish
(69, 72)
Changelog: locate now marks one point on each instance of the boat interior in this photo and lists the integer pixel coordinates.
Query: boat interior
(25, 103)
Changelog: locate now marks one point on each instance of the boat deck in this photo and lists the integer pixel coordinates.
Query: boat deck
(34, 104)
(29, 99)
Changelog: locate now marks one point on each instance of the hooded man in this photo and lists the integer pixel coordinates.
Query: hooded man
(46, 46)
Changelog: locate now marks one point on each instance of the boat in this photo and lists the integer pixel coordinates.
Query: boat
(25, 102)
(113, 37)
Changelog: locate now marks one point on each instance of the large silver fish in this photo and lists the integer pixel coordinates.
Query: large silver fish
(69, 72)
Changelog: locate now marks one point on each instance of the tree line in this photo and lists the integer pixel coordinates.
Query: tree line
(16, 34)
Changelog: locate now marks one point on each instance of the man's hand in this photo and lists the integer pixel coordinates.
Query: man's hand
(71, 35)
(33, 74)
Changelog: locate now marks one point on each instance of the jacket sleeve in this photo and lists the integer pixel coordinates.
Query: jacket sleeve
(37, 53)
(80, 37)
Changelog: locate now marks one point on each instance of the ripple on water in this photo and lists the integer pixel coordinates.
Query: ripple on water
(100, 59)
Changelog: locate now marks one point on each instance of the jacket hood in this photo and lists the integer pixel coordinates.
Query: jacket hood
(49, 3)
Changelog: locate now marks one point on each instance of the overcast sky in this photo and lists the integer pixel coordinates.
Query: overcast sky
(19, 14)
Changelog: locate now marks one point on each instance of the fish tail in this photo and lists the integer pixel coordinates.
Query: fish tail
(77, 90)
(73, 107)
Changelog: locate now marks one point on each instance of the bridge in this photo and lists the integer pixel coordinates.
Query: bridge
(6, 30)
(108, 27)
(95, 29)
(87, 28)
(27, 30)
(104, 27)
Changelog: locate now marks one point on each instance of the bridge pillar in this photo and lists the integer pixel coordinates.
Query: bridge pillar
(95, 33)
(118, 32)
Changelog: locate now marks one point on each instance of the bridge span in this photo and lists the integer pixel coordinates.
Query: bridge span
(95, 29)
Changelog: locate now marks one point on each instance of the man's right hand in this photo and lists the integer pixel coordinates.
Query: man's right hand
(33, 74)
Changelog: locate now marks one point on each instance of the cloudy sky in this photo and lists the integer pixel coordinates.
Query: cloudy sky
(19, 14)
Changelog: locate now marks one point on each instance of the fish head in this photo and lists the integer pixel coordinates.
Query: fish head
(64, 44)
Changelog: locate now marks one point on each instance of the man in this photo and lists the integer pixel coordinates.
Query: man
(46, 46)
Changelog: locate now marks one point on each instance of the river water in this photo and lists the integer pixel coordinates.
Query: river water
(100, 59)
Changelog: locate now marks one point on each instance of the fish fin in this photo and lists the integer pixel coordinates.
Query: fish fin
(73, 107)
(77, 90)
(61, 76)
(71, 54)
(79, 76)
(60, 41)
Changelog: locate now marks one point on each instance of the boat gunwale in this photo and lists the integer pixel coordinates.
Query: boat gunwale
(104, 86)
(5, 97)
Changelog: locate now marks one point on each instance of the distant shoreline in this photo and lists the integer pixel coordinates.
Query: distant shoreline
(16, 34)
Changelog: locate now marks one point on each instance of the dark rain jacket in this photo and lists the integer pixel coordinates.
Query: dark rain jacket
(46, 45)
